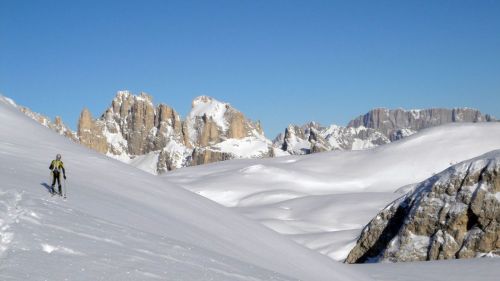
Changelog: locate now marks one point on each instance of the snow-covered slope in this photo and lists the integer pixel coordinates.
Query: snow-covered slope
(120, 223)
(324, 200)
(453, 270)
(57, 126)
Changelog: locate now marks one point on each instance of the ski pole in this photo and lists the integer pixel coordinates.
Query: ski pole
(65, 188)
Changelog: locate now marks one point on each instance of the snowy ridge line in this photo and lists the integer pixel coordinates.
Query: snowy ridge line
(133, 129)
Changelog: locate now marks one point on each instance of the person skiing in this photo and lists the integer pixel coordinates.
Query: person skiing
(57, 166)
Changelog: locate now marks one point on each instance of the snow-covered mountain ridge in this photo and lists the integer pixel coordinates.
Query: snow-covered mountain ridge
(57, 125)
(156, 139)
(377, 127)
(120, 223)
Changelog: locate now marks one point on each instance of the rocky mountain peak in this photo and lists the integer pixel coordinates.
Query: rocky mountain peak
(133, 127)
(212, 121)
(215, 129)
(205, 100)
(454, 214)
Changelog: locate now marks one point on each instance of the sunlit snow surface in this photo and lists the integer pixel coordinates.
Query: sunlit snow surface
(323, 200)
(120, 223)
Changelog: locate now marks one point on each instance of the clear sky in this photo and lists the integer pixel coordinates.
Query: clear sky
(277, 61)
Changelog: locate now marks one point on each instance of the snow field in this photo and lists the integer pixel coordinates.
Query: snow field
(116, 218)
(312, 198)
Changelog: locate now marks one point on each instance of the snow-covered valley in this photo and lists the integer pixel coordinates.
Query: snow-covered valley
(120, 223)
(324, 200)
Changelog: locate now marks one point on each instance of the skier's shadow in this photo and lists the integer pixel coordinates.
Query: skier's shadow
(49, 189)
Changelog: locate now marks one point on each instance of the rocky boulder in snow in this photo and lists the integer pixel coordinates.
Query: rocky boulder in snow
(455, 214)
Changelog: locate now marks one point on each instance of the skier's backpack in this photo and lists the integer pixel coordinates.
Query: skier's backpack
(55, 166)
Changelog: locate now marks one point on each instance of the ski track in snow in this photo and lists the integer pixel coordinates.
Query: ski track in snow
(40, 239)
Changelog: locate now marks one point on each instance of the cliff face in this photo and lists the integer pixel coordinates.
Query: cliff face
(390, 121)
(133, 127)
(455, 214)
(377, 127)
(90, 133)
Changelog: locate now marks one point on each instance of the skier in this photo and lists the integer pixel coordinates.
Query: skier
(56, 166)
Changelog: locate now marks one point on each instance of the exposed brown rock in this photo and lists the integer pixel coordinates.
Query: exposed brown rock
(237, 126)
(90, 133)
(210, 132)
(205, 156)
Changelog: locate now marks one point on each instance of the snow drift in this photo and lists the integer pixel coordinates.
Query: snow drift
(324, 200)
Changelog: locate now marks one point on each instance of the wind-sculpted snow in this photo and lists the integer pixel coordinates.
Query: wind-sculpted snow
(120, 223)
(324, 200)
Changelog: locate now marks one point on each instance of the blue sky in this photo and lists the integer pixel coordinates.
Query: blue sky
(277, 61)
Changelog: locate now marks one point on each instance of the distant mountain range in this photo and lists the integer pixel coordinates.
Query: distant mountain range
(155, 138)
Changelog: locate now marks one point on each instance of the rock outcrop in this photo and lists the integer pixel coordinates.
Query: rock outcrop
(452, 215)
(390, 121)
(90, 133)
